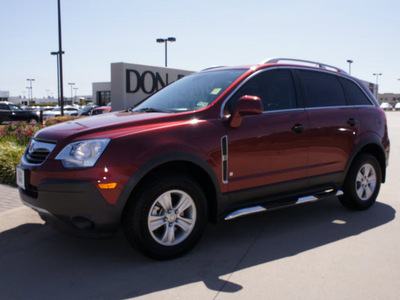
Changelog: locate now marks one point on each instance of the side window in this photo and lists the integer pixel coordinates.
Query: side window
(275, 88)
(3, 106)
(322, 89)
(14, 107)
(355, 96)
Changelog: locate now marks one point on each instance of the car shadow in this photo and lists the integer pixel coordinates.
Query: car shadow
(37, 261)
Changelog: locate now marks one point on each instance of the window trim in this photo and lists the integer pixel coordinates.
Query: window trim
(294, 80)
(298, 89)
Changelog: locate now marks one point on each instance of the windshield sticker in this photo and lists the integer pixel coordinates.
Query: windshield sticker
(202, 104)
(215, 91)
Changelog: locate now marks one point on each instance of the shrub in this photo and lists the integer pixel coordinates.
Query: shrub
(10, 156)
(14, 138)
(19, 133)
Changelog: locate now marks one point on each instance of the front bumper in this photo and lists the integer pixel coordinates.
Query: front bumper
(73, 206)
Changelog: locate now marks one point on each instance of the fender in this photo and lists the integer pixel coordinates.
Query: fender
(158, 161)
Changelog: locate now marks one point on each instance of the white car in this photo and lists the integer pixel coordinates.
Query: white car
(397, 106)
(386, 106)
(56, 112)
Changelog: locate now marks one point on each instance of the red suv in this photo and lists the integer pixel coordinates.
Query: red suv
(220, 143)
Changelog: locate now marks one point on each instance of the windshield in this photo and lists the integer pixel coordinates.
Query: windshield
(191, 92)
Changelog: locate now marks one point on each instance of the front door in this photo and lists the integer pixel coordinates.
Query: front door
(269, 148)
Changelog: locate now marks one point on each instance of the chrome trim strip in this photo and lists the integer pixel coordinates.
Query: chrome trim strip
(224, 159)
(245, 211)
(37, 146)
(257, 209)
(339, 193)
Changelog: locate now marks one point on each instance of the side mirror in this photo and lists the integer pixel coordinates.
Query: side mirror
(246, 105)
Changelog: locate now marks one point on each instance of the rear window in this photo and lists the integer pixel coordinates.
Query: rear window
(322, 90)
(355, 96)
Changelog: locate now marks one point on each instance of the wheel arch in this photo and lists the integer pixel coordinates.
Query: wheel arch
(181, 163)
(374, 148)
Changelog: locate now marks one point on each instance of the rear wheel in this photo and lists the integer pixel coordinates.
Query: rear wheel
(167, 217)
(362, 183)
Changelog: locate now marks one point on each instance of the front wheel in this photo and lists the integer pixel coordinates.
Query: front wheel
(167, 218)
(362, 183)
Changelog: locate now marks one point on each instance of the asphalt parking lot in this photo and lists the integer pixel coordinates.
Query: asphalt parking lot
(316, 251)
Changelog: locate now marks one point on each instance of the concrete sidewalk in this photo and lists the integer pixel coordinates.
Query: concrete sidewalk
(9, 197)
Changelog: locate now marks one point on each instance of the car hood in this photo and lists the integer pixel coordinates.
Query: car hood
(109, 125)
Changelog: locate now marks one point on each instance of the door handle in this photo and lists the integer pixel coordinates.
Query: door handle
(298, 128)
(352, 122)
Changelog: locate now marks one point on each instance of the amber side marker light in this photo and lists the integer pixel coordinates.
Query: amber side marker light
(107, 186)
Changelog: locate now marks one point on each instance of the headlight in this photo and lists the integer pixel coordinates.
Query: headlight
(82, 154)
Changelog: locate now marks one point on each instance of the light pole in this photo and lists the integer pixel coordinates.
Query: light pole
(75, 94)
(30, 87)
(71, 84)
(377, 76)
(170, 39)
(58, 76)
(29, 94)
(60, 52)
(350, 62)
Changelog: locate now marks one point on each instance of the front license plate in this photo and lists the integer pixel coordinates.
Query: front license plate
(20, 177)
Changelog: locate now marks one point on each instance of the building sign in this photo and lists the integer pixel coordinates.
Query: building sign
(148, 82)
(131, 83)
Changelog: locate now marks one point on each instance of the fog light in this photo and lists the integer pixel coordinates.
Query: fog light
(106, 186)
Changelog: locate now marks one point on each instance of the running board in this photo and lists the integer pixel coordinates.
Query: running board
(258, 209)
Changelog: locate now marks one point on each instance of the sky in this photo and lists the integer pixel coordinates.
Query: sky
(96, 33)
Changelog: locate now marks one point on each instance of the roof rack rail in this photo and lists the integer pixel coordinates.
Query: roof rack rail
(213, 67)
(317, 64)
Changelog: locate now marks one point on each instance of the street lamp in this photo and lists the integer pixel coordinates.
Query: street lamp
(71, 84)
(58, 75)
(60, 52)
(170, 39)
(30, 87)
(75, 94)
(377, 76)
(350, 62)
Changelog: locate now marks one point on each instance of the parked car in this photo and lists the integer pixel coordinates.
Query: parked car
(101, 110)
(84, 111)
(218, 144)
(397, 106)
(386, 106)
(56, 112)
(10, 112)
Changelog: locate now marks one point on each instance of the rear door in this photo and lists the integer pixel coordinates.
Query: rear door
(333, 124)
(269, 148)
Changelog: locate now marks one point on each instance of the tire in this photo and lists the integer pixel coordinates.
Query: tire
(167, 217)
(362, 183)
(32, 121)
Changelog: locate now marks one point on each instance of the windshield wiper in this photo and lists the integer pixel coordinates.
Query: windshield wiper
(151, 109)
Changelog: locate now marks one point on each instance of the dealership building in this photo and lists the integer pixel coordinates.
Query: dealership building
(131, 83)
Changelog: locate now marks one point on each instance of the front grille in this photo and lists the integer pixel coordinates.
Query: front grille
(37, 151)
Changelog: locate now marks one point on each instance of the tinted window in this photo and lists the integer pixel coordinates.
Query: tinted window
(275, 89)
(14, 107)
(3, 106)
(322, 89)
(355, 96)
